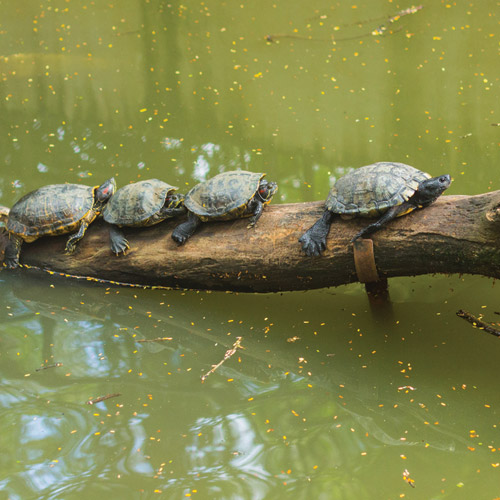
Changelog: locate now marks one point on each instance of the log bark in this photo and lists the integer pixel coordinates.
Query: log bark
(457, 234)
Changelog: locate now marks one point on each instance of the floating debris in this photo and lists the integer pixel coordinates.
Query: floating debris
(102, 398)
(158, 339)
(229, 353)
(380, 30)
(478, 323)
(396, 17)
(55, 365)
(408, 479)
(93, 279)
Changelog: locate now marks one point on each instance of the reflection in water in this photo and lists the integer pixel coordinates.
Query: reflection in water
(181, 93)
(225, 438)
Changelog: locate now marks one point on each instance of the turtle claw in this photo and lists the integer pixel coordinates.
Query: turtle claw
(11, 263)
(185, 230)
(180, 239)
(120, 250)
(118, 247)
(314, 239)
(70, 249)
(312, 247)
(315, 250)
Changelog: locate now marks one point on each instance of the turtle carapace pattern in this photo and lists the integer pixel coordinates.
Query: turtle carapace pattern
(52, 210)
(385, 190)
(140, 204)
(230, 195)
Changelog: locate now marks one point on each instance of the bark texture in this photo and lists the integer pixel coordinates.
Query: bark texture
(457, 234)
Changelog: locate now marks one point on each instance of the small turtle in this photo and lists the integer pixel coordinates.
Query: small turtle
(226, 196)
(385, 188)
(140, 204)
(53, 210)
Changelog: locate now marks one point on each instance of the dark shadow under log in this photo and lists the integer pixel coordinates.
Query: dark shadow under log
(457, 234)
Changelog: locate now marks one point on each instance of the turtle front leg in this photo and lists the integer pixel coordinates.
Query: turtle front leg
(119, 244)
(12, 252)
(75, 238)
(314, 239)
(392, 213)
(257, 209)
(185, 230)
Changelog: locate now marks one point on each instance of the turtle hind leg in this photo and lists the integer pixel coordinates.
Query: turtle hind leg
(314, 239)
(185, 230)
(119, 244)
(392, 213)
(12, 252)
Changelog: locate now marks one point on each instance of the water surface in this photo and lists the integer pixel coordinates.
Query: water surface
(328, 398)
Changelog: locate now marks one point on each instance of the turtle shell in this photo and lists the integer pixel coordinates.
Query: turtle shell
(50, 210)
(225, 196)
(135, 204)
(370, 191)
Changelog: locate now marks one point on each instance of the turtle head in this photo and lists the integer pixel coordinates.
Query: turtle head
(266, 190)
(174, 200)
(431, 189)
(105, 191)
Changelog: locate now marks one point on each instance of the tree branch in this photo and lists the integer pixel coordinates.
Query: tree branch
(457, 234)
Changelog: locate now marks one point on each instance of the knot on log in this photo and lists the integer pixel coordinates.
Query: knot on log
(4, 215)
(493, 214)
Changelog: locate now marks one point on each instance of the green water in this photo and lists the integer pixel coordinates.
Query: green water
(328, 399)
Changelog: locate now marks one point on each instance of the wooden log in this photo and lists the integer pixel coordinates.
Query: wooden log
(457, 234)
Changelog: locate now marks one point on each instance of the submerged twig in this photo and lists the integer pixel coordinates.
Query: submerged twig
(478, 323)
(55, 365)
(157, 339)
(229, 353)
(380, 30)
(102, 398)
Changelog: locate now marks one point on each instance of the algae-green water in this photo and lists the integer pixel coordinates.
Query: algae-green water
(327, 398)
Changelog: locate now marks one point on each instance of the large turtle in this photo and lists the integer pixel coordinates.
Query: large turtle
(226, 196)
(52, 210)
(140, 204)
(383, 189)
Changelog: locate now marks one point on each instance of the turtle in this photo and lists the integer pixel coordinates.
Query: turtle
(52, 210)
(230, 195)
(384, 189)
(140, 204)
